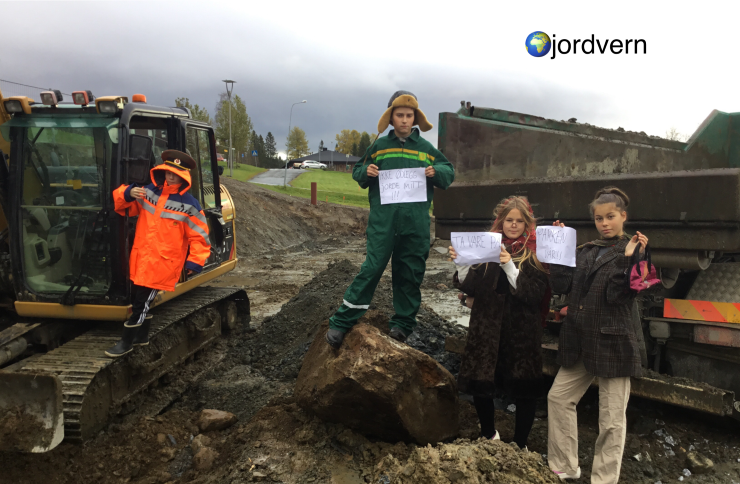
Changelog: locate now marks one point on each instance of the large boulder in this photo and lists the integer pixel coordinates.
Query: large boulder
(379, 387)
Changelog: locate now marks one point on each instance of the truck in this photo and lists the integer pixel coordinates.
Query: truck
(685, 197)
(64, 261)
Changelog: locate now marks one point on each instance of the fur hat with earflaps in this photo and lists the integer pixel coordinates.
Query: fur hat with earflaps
(404, 99)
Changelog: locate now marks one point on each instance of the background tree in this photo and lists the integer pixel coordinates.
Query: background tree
(261, 150)
(270, 147)
(674, 135)
(241, 123)
(364, 143)
(345, 140)
(199, 113)
(297, 143)
(355, 149)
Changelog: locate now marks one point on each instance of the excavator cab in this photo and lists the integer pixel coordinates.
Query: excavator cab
(64, 260)
(70, 246)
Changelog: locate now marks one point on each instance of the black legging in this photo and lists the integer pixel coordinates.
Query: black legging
(525, 409)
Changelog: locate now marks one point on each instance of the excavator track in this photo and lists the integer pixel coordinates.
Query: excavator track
(95, 386)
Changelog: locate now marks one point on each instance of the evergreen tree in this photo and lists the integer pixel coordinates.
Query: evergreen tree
(261, 150)
(270, 147)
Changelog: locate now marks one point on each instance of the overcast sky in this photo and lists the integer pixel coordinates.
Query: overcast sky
(347, 58)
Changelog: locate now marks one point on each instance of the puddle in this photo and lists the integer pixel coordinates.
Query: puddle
(447, 305)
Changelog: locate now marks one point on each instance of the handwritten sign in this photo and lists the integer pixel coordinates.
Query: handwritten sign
(476, 247)
(556, 245)
(405, 185)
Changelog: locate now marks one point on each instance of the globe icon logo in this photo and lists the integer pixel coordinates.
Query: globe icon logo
(538, 44)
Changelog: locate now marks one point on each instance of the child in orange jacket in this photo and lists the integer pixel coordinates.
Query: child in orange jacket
(171, 222)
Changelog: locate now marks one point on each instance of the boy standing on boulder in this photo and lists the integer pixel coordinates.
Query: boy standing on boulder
(395, 231)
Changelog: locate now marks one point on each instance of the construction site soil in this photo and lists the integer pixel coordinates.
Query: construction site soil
(295, 262)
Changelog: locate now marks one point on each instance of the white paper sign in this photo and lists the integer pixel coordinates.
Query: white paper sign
(476, 247)
(402, 186)
(556, 245)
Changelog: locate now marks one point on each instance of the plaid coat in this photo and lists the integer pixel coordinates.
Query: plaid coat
(599, 325)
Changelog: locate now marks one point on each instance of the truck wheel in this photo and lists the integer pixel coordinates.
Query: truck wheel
(229, 316)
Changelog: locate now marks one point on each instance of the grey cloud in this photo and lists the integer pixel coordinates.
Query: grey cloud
(168, 53)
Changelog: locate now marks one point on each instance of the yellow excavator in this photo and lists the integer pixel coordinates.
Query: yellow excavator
(64, 257)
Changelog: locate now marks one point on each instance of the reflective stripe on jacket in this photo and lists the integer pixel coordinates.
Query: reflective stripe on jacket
(170, 222)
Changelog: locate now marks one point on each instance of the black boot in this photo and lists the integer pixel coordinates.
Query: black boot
(334, 337)
(125, 344)
(397, 334)
(142, 335)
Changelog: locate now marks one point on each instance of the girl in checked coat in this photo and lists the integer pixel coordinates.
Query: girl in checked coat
(504, 348)
(598, 339)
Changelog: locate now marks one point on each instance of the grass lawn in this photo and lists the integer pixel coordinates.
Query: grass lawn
(243, 172)
(333, 186)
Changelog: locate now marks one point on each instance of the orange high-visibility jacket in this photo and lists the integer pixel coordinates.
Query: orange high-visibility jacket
(170, 221)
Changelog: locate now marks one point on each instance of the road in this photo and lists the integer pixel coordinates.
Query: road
(275, 177)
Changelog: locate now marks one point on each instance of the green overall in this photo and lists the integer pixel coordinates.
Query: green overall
(398, 232)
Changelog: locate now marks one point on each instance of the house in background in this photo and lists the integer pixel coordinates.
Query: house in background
(333, 160)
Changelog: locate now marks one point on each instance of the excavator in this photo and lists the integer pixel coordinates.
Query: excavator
(64, 258)
(684, 195)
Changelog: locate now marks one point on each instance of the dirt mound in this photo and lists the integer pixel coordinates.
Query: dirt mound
(481, 461)
(290, 446)
(268, 220)
(282, 340)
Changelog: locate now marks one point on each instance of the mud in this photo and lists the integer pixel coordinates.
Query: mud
(295, 280)
(269, 221)
(20, 429)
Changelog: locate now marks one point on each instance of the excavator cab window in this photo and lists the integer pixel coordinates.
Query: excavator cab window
(154, 128)
(64, 230)
(199, 147)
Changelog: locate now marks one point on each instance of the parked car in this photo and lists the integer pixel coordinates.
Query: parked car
(220, 158)
(313, 164)
(297, 165)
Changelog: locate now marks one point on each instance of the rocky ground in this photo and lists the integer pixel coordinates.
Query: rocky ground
(163, 436)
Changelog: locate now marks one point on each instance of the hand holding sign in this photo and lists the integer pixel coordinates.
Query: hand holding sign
(476, 247)
(556, 245)
(405, 185)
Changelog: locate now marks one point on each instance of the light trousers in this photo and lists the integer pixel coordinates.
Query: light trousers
(562, 429)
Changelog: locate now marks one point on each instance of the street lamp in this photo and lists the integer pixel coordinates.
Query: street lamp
(287, 144)
(228, 92)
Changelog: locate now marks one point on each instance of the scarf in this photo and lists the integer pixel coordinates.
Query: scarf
(516, 246)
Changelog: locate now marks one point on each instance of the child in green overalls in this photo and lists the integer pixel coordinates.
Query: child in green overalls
(395, 231)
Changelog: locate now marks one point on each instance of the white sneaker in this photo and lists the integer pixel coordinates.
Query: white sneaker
(496, 437)
(563, 476)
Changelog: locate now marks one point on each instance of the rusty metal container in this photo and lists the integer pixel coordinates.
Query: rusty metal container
(686, 194)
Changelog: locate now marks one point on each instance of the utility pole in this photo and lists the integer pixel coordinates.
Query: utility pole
(287, 145)
(231, 155)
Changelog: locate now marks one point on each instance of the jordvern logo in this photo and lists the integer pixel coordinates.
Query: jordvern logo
(539, 44)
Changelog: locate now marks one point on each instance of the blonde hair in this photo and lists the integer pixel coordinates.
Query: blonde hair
(530, 222)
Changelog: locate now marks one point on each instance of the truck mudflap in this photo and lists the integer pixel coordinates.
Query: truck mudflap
(33, 416)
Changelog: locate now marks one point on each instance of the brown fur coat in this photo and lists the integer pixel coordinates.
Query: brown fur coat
(504, 347)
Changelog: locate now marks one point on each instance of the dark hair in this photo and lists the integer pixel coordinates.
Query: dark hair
(610, 195)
